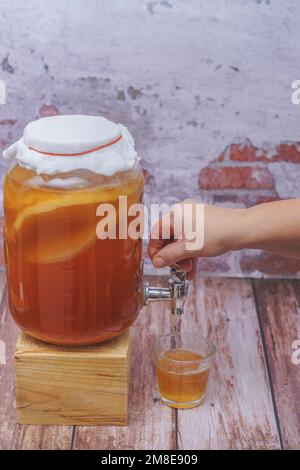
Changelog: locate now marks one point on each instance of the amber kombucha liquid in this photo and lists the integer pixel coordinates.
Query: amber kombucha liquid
(181, 383)
(65, 285)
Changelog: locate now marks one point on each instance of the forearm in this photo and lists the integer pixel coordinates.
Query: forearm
(273, 226)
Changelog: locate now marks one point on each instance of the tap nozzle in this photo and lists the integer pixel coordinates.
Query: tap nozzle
(178, 285)
(176, 292)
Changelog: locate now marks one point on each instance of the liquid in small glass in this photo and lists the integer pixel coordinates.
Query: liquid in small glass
(182, 369)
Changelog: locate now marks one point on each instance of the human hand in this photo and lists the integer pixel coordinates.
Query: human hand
(216, 224)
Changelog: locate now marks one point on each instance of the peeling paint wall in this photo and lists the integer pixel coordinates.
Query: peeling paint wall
(188, 77)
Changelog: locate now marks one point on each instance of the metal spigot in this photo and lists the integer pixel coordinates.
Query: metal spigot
(176, 292)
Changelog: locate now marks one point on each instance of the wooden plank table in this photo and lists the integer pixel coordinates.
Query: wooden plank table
(254, 389)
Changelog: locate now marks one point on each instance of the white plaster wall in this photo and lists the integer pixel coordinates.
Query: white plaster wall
(179, 58)
(186, 76)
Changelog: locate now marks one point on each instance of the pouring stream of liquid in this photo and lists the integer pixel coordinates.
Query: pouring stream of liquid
(175, 317)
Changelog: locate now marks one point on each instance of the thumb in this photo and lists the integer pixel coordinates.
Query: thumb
(169, 254)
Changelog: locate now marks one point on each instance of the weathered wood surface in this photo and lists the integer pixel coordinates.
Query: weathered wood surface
(278, 304)
(238, 412)
(242, 409)
(151, 425)
(12, 435)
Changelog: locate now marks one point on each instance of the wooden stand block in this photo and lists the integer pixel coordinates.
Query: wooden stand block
(86, 385)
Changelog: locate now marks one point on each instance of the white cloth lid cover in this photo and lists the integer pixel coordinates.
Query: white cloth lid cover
(109, 147)
(70, 134)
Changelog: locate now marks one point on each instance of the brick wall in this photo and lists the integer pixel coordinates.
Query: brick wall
(242, 176)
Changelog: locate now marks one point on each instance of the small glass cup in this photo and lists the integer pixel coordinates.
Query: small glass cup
(182, 368)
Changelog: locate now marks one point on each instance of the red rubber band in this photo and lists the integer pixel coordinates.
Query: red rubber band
(77, 154)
